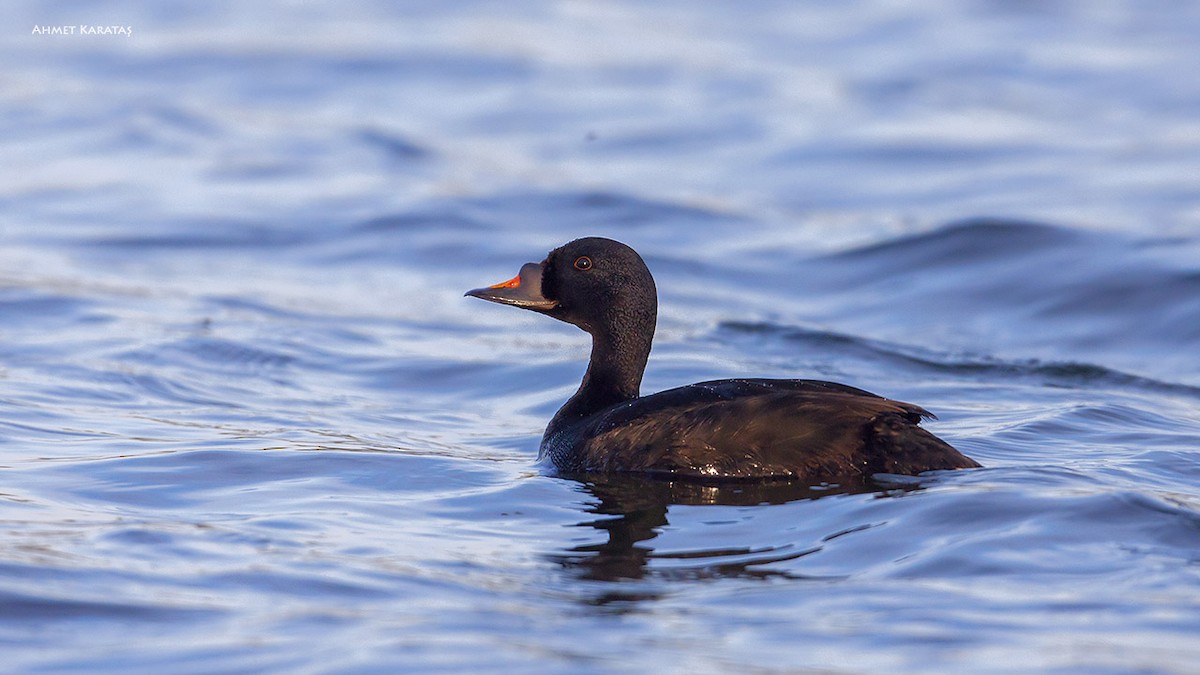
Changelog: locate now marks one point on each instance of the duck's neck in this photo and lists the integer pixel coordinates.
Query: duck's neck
(614, 373)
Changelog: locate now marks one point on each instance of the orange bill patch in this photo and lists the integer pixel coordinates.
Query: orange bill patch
(511, 283)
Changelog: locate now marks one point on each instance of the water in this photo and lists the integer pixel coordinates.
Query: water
(248, 423)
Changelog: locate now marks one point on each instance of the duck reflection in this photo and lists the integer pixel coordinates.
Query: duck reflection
(633, 510)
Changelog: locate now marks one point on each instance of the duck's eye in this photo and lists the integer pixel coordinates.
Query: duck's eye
(583, 263)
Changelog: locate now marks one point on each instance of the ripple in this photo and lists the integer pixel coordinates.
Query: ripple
(393, 145)
(1064, 374)
(18, 608)
(963, 243)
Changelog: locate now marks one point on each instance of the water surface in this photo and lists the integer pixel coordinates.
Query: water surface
(248, 423)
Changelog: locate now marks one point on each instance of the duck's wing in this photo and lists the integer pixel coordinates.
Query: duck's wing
(750, 428)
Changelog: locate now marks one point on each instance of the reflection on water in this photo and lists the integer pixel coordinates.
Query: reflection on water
(636, 508)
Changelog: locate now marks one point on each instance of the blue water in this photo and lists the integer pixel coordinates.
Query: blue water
(248, 423)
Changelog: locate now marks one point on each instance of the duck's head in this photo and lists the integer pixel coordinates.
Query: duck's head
(595, 283)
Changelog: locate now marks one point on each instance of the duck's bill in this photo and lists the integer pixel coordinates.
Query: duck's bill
(523, 290)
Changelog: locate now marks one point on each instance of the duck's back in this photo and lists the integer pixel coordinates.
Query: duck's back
(753, 428)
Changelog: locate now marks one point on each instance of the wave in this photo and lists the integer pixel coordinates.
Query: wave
(967, 241)
(1072, 374)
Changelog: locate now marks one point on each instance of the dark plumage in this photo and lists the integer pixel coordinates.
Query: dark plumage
(725, 429)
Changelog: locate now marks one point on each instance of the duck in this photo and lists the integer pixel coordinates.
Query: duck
(742, 429)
